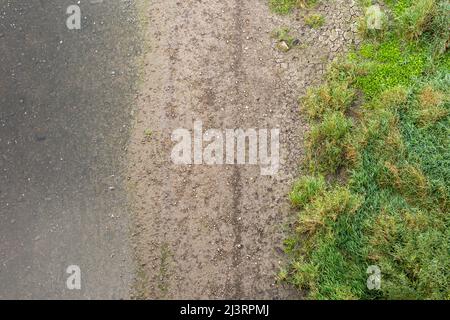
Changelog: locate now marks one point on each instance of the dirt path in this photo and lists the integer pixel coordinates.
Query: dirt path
(216, 231)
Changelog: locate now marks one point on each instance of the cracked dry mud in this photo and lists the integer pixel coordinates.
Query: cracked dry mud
(216, 231)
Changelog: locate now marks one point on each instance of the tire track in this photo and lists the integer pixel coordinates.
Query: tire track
(236, 176)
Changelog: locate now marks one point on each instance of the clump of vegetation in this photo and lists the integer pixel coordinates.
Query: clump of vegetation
(286, 6)
(382, 118)
(392, 97)
(326, 142)
(416, 18)
(148, 133)
(282, 6)
(325, 209)
(305, 189)
(388, 64)
(307, 3)
(333, 96)
(314, 20)
(430, 106)
(440, 32)
(315, 226)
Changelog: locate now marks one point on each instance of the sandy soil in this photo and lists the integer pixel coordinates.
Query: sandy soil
(216, 231)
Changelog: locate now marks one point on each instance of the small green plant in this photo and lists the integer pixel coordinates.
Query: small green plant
(282, 6)
(305, 189)
(393, 97)
(148, 133)
(307, 3)
(314, 20)
(286, 6)
(282, 275)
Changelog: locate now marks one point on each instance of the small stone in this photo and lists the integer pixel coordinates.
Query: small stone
(334, 35)
(283, 46)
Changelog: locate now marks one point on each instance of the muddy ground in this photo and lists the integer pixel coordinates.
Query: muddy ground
(217, 231)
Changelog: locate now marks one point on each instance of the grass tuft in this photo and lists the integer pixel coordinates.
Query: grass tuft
(416, 18)
(325, 209)
(282, 6)
(314, 20)
(335, 96)
(305, 189)
(326, 143)
(286, 6)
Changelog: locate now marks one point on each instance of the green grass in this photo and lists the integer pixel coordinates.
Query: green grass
(378, 157)
(305, 189)
(334, 96)
(286, 6)
(314, 20)
(326, 142)
(389, 64)
(416, 18)
(282, 6)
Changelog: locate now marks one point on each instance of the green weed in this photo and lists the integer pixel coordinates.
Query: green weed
(282, 6)
(314, 20)
(286, 6)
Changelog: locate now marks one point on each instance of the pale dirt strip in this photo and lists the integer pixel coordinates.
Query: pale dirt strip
(217, 231)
